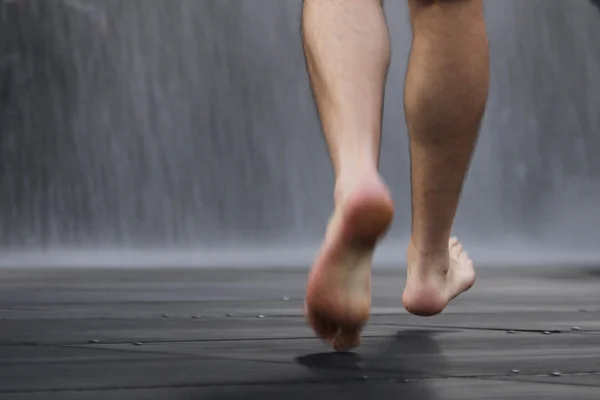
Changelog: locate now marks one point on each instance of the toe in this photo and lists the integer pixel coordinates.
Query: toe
(347, 339)
(323, 327)
(456, 250)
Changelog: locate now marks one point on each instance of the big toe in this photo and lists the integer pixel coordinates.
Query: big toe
(457, 251)
(321, 325)
(347, 339)
(462, 271)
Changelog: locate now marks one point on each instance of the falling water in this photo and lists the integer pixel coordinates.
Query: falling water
(173, 126)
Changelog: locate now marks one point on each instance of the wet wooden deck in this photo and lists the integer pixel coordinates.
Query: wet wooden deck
(182, 334)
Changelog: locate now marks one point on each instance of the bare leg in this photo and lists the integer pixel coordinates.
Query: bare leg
(347, 52)
(445, 96)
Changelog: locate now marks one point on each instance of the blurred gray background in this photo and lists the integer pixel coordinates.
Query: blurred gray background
(183, 131)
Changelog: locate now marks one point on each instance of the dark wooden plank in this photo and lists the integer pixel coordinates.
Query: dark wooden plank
(147, 309)
(507, 289)
(80, 331)
(466, 314)
(435, 389)
(55, 332)
(581, 379)
(266, 346)
(23, 355)
(428, 352)
(118, 286)
(506, 321)
(167, 371)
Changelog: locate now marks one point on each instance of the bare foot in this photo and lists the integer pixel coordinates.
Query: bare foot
(338, 298)
(435, 279)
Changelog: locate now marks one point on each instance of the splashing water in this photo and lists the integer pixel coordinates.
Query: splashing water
(184, 131)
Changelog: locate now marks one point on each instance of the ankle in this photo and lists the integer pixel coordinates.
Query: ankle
(433, 260)
(429, 247)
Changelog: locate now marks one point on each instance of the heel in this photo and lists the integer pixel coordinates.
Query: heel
(368, 220)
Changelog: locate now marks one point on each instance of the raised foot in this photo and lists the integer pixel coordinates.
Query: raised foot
(436, 279)
(338, 298)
